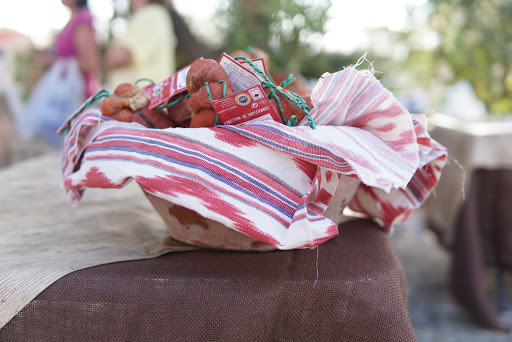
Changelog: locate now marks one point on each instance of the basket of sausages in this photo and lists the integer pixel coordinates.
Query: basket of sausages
(232, 160)
(203, 95)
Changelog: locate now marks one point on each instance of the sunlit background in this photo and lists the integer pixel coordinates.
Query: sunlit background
(346, 27)
(428, 52)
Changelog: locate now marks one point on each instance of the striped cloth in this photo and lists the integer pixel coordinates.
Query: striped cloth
(265, 179)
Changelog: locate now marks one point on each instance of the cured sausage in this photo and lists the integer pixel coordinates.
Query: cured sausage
(129, 104)
(201, 98)
(181, 113)
(206, 81)
(205, 70)
(289, 108)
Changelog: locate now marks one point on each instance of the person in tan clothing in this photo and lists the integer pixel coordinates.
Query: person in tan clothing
(146, 50)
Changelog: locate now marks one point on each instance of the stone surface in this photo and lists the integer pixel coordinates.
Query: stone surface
(434, 314)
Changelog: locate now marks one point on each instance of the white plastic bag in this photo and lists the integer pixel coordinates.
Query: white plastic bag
(59, 92)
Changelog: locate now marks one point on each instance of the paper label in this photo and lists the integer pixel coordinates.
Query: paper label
(248, 105)
(241, 77)
(258, 62)
(166, 89)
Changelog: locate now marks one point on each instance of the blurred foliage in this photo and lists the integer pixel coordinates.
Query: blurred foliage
(282, 28)
(476, 44)
(285, 29)
(314, 65)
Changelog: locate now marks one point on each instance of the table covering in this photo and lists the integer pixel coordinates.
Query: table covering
(472, 145)
(352, 288)
(43, 238)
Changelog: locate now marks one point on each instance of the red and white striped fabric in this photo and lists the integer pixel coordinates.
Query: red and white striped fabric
(265, 179)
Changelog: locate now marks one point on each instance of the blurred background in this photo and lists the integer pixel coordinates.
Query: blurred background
(452, 57)
(425, 51)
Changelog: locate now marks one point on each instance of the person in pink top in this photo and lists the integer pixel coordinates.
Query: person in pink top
(77, 39)
(72, 75)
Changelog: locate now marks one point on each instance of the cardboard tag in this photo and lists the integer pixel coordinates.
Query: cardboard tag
(258, 62)
(248, 105)
(166, 89)
(241, 77)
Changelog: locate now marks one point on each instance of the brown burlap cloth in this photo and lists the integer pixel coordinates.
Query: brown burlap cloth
(352, 288)
(43, 238)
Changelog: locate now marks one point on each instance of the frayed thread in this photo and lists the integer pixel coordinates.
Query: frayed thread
(370, 71)
(317, 272)
(463, 176)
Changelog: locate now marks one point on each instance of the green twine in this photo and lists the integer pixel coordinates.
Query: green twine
(98, 96)
(292, 121)
(208, 91)
(145, 118)
(281, 111)
(287, 81)
(223, 96)
(210, 95)
(295, 99)
(223, 89)
(173, 102)
(145, 79)
(252, 51)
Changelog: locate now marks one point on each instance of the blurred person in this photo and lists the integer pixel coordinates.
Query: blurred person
(77, 40)
(147, 49)
(72, 75)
